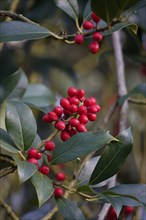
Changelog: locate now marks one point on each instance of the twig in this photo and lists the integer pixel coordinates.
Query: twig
(8, 209)
(15, 16)
(122, 90)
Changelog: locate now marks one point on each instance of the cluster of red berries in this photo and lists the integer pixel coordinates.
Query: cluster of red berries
(73, 114)
(97, 37)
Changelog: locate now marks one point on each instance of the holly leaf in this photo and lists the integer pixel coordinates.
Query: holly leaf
(79, 145)
(18, 30)
(112, 158)
(69, 209)
(43, 186)
(20, 124)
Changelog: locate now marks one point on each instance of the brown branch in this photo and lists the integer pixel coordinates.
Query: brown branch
(15, 16)
(8, 209)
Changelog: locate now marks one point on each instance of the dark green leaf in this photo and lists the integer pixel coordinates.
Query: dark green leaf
(9, 85)
(18, 30)
(69, 7)
(87, 170)
(20, 124)
(79, 145)
(140, 89)
(134, 190)
(2, 115)
(120, 26)
(108, 10)
(69, 209)
(112, 158)
(43, 186)
(25, 170)
(38, 95)
(6, 142)
(20, 87)
(36, 141)
(86, 189)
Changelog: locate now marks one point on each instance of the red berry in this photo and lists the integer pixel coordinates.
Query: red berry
(60, 176)
(80, 93)
(72, 91)
(91, 117)
(66, 112)
(58, 192)
(95, 17)
(73, 108)
(98, 108)
(74, 122)
(72, 132)
(58, 110)
(65, 103)
(92, 109)
(49, 145)
(87, 102)
(79, 39)
(82, 110)
(39, 156)
(32, 153)
(52, 116)
(44, 169)
(74, 100)
(88, 25)
(112, 214)
(81, 128)
(34, 161)
(49, 157)
(97, 36)
(128, 210)
(64, 135)
(92, 101)
(60, 125)
(83, 119)
(46, 118)
(94, 47)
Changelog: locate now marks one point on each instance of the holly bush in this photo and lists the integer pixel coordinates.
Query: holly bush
(73, 160)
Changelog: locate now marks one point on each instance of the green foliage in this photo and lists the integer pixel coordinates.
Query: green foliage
(80, 145)
(140, 89)
(69, 209)
(9, 85)
(108, 10)
(17, 30)
(112, 158)
(20, 124)
(25, 170)
(43, 186)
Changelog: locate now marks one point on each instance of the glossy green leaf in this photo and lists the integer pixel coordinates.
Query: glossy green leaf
(134, 190)
(43, 186)
(140, 89)
(36, 141)
(6, 142)
(18, 30)
(119, 26)
(9, 84)
(112, 158)
(38, 95)
(69, 7)
(108, 10)
(69, 209)
(86, 189)
(79, 145)
(25, 170)
(20, 88)
(20, 124)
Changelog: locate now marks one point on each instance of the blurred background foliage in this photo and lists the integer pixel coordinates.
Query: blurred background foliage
(59, 65)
